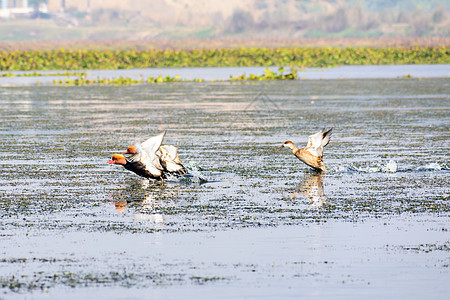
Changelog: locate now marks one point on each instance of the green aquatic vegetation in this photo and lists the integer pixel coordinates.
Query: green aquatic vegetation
(296, 56)
(428, 247)
(47, 280)
(119, 81)
(114, 81)
(81, 81)
(203, 280)
(269, 75)
(37, 74)
(98, 81)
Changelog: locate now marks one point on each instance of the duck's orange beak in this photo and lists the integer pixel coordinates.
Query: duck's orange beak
(126, 152)
(110, 162)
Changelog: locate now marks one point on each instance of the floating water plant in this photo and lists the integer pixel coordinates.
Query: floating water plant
(295, 56)
(115, 81)
(268, 75)
(38, 74)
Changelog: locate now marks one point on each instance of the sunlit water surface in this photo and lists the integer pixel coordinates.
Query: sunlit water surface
(375, 225)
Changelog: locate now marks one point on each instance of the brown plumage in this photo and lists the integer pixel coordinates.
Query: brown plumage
(136, 167)
(164, 158)
(313, 152)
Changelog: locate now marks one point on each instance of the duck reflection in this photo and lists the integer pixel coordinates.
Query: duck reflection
(144, 196)
(312, 187)
(149, 211)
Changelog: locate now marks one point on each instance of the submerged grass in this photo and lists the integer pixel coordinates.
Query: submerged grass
(45, 280)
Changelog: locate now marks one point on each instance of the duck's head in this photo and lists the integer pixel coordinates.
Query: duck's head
(288, 144)
(117, 159)
(130, 150)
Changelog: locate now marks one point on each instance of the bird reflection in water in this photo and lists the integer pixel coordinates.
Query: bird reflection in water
(312, 187)
(144, 196)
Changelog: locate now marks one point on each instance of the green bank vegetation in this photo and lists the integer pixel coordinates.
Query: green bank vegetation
(244, 57)
(119, 81)
(37, 74)
(268, 75)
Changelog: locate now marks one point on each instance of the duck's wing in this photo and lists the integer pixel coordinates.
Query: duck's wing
(152, 145)
(315, 140)
(326, 137)
(315, 151)
(172, 167)
(142, 164)
(134, 158)
(171, 152)
(170, 159)
(146, 153)
(140, 155)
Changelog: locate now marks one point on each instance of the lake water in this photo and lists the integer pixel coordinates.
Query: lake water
(375, 225)
(210, 74)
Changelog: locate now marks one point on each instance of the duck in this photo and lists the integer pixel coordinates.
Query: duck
(138, 167)
(313, 152)
(170, 160)
(166, 157)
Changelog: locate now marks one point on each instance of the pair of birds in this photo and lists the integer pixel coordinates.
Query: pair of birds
(151, 160)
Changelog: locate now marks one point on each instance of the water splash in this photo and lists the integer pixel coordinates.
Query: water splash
(198, 176)
(195, 173)
(390, 167)
(363, 169)
(343, 169)
(429, 167)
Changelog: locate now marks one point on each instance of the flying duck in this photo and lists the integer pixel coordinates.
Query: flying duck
(313, 152)
(151, 160)
(166, 157)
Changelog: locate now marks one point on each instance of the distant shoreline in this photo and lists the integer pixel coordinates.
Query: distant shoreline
(223, 43)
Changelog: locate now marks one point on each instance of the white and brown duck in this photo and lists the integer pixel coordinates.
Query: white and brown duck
(151, 160)
(166, 157)
(169, 159)
(313, 152)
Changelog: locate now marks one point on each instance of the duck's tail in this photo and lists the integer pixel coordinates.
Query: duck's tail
(181, 171)
(320, 167)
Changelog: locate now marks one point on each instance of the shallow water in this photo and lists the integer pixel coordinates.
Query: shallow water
(375, 225)
(211, 74)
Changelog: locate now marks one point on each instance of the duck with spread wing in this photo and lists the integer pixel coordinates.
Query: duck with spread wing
(313, 152)
(150, 159)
